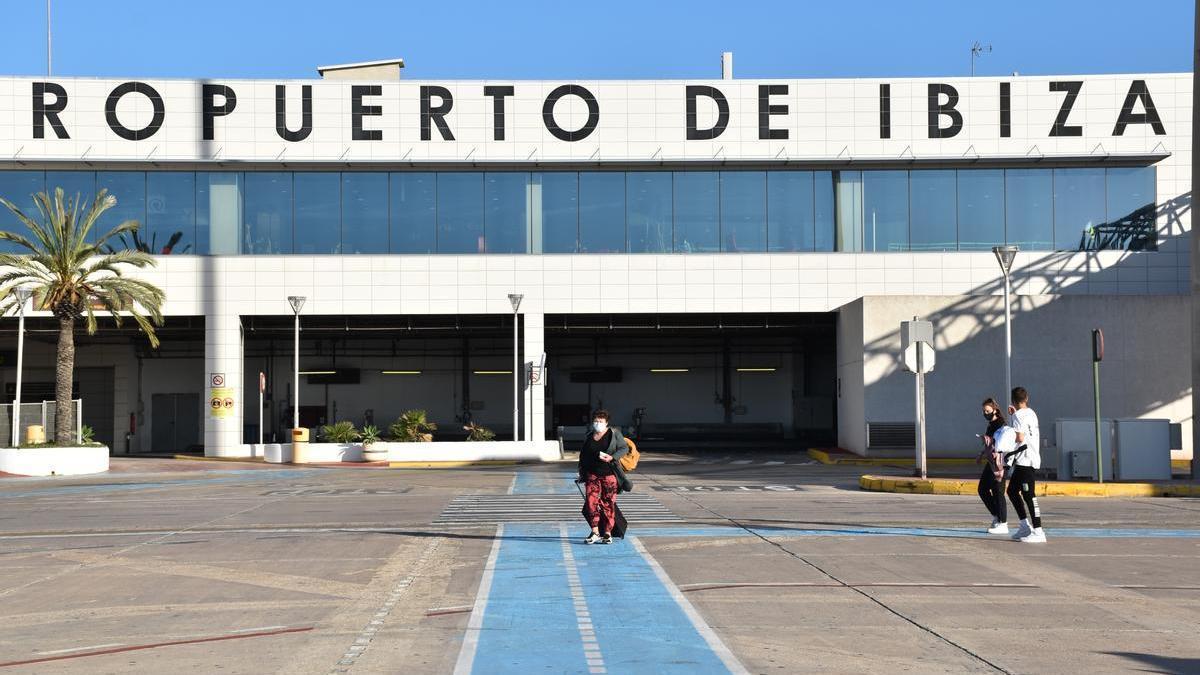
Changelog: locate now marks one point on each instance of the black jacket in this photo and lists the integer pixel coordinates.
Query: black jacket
(617, 447)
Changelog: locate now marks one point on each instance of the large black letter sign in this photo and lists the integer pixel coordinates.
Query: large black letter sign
(498, 92)
(1138, 90)
(588, 127)
(694, 134)
(1005, 110)
(885, 111)
(110, 111)
(210, 110)
(43, 111)
(1061, 128)
(437, 115)
(937, 109)
(765, 110)
(358, 111)
(305, 113)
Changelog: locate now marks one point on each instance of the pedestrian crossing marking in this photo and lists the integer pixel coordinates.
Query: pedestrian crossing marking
(553, 508)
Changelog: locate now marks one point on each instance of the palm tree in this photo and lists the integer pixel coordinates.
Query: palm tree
(74, 277)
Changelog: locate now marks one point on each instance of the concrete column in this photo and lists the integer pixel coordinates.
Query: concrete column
(534, 397)
(223, 356)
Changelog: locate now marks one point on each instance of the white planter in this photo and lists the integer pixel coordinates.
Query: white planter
(54, 461)
(325, 453)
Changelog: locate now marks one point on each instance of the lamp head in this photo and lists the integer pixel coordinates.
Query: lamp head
(515, 299)
(1005, 255)
(297, 302)
(23, 295)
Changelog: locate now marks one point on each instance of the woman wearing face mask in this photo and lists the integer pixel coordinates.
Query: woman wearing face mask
(991, 481)
(601, 473)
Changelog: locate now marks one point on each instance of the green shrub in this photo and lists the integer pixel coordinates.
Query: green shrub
(370, 434)
(478, 433)
(412, 427)
(86, 435)
(341, 432)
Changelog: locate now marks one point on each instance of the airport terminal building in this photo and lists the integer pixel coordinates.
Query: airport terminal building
(713, 260)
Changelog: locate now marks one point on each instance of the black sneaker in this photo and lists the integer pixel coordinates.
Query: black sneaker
(592, 538)
(606, 539)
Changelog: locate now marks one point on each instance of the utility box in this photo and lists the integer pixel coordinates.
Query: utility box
(1078, 435)
(1143, 449)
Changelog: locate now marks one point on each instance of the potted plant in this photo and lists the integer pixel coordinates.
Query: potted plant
(412, 427)
(371, 451)
(476, 432)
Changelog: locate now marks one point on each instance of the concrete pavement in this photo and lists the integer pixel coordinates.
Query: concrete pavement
(163, 565)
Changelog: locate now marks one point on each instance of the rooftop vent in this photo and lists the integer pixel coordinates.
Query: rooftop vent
(367, 70)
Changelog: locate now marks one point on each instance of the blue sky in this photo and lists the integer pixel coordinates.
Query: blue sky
(508, 39)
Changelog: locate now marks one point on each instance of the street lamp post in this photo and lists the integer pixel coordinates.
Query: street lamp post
(297, 303)
(515, 299)
(1005, 256)
(23, 295)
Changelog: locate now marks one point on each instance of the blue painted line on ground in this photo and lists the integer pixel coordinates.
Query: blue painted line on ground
(640, 627)
(542, 483)
(529, 623)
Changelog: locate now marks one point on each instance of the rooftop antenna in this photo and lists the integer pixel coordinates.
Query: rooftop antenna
(978, 50)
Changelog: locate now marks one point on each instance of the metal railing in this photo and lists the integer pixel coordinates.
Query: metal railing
(36, 413)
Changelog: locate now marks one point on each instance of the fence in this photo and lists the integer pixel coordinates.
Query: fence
(35, 413)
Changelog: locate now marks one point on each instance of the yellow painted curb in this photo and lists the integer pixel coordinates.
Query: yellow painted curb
(452, 465)
(956, 486)
(1181, 464)
(824, 457)
(194, 458)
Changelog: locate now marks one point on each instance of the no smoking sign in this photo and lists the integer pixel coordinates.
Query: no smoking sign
(217, 380)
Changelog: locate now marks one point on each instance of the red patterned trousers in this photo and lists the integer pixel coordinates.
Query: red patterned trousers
(600, 504)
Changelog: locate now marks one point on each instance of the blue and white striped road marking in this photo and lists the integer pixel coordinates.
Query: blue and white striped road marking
(549, 603)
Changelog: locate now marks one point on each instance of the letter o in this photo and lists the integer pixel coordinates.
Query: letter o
(583, 132)
(110, 111)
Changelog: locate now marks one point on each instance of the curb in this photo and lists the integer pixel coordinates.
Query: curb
(194, 458)
(826, 457)
(961, 486)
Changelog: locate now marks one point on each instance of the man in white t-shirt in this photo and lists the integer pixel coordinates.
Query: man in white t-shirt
(1025, 461)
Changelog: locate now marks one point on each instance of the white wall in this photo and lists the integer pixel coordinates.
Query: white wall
(1142, 375)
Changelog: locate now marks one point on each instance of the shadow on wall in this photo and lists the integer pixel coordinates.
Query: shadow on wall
(1147, 344)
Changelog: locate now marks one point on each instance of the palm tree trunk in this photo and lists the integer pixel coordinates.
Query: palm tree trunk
(64, 371)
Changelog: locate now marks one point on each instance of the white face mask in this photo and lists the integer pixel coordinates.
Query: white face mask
(600, 427)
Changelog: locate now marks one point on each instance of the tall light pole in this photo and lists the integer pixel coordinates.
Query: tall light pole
(23, 295)
(297, 303)
(1005, 256)
(515, 299)
(47, 38)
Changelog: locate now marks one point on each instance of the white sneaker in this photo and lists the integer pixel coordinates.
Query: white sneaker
(998, 528)
(1036, 536)
(1022, 532)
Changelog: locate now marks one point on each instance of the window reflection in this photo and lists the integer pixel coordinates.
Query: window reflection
(170, 226)
(225, 213)
(19, 187)
(932, 209)
(268, 213)
(460, 213)
(744, 211)
(980, 209)
(602, 212)
(364, 212)
(414, 212)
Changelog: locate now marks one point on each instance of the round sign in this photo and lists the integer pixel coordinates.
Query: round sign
(228, 403)
(215, 404)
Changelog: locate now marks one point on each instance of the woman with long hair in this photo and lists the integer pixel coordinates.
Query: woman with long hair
(991, 481)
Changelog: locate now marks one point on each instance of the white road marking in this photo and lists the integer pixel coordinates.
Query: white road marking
(698, 622)
(583, 618)
(466, 657)
(79, 649)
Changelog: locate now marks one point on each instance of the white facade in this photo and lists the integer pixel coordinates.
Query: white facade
(829, 124)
